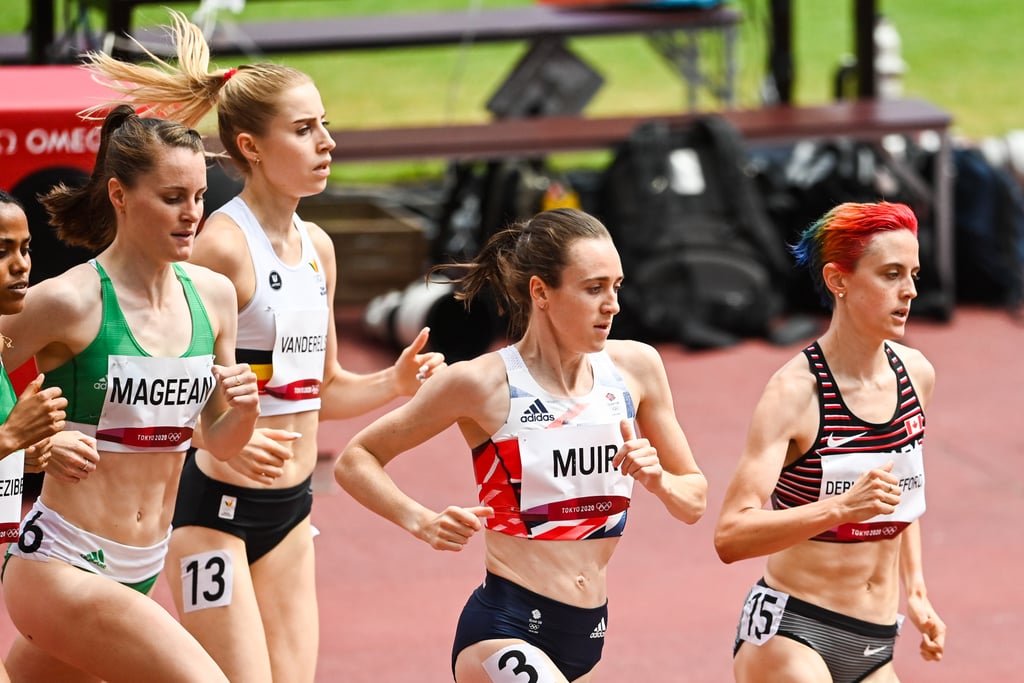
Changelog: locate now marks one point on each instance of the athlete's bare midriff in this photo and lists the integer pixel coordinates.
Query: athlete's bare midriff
(572, 572)
(860, 580)
(128, 498)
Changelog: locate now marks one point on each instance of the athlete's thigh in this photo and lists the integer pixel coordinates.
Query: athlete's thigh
(99, 626)
(507, 660)
(779, 660)
(886, 674)
(210, 580)
(285, 582)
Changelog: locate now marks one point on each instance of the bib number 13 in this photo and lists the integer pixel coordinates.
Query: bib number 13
(206, 580)
(762, 614)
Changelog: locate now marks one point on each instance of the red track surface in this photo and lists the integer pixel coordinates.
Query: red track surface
(388, 603)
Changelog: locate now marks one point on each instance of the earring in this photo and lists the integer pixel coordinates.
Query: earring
(842, 294)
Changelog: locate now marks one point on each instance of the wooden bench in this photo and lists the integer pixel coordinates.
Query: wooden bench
(673, 33)
(526, 137)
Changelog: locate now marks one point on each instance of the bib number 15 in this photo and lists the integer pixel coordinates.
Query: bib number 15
(762, 614)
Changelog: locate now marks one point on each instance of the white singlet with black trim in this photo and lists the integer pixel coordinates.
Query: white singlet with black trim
(547, 472)
(282, 330)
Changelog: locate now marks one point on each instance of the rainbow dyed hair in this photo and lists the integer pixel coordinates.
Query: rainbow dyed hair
(842, 236)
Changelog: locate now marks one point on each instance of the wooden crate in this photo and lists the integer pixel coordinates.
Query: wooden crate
(378, 247)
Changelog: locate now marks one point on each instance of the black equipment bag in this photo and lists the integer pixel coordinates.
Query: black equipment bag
(703, 263)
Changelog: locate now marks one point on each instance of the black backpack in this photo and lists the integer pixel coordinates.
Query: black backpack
(989, 223)
(800, 182)
(703, 264)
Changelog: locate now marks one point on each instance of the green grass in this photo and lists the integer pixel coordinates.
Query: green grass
(964, 57)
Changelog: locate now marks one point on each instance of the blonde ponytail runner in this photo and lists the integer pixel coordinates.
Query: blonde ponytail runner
(184, 92)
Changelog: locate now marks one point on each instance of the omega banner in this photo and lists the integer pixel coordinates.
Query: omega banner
(43, 142)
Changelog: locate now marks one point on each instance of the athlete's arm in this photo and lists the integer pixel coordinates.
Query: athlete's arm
(659, 457)
(919, 607)
(784, 424)
(346, 394)
(229, 416)
(73, 298)
(464, 394)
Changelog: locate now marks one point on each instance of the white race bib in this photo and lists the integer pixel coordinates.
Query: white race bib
(762, 614)
(153, 403)
(568, 473)
(840, 471)
(12, 479)
(300, 349)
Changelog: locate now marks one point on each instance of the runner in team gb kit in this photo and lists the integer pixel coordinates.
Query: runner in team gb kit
(561, 424)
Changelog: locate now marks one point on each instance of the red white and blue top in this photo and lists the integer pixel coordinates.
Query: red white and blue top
(547, 472)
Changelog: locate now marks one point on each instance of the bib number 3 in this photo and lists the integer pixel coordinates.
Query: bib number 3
(762, 614)
(519, 663)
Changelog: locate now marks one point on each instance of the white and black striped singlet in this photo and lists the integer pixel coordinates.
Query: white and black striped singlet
(846, 446)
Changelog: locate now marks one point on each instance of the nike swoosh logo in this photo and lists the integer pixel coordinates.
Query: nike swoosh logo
(833, 442)
(872, 651)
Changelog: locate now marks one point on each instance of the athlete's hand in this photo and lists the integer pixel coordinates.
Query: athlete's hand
(263, 458)
(238, 382)
(453, 528)
(36, 456)
(37, 414)
(932, 628)
(413, 367)
(72, 456)
(876, 492)
(638, 458)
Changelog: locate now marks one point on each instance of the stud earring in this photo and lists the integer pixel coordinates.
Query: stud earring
(842, 294)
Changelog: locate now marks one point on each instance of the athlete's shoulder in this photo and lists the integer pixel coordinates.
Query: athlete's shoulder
(210, 284)
(793, 383)
(69, 292)
(322, 241)
(221, 241)
(481, 373)
(632, 353)
(921, 370)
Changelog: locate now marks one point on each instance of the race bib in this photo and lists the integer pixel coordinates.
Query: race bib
(207, 580)
(12, 478)
(840, 471)
(299, 353)
(568, 473)
(519, 663)
(762, 614)
(153, 403)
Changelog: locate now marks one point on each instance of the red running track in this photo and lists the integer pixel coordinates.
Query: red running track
(388, 603)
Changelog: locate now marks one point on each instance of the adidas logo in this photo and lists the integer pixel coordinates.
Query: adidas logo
(96, 558)
(599, 629)
(536, 413)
